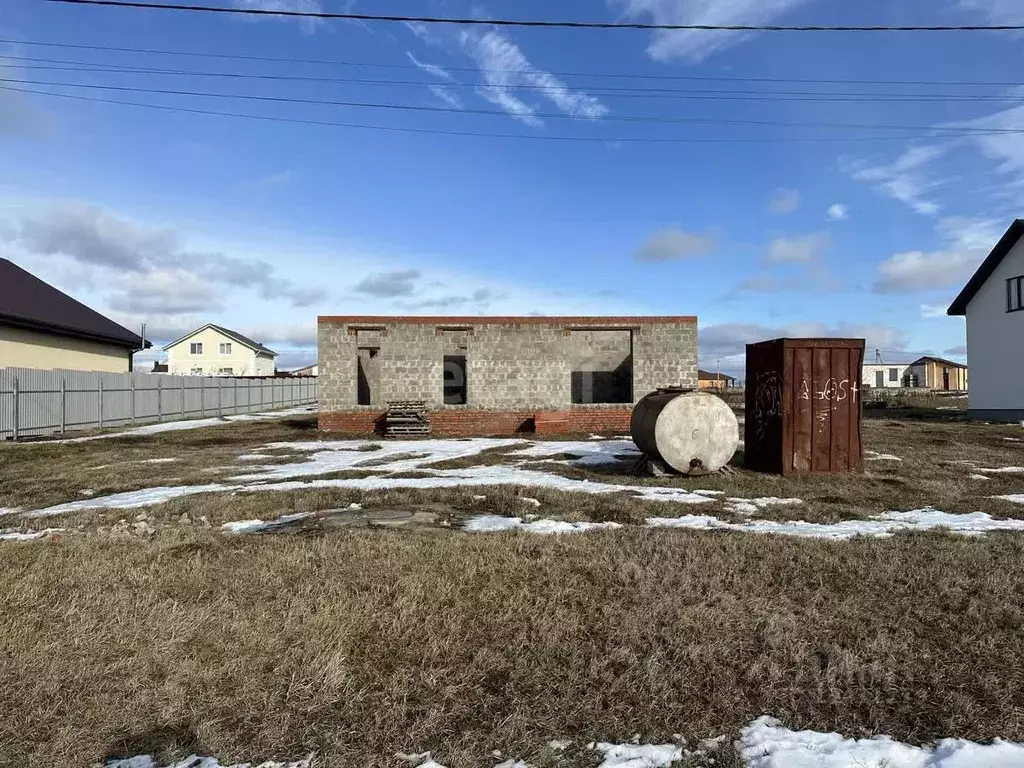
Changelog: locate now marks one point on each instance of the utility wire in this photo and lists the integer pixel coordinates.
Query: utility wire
(475, 134)
(616, 75)
(948, 130)
(549, 23)
(85, 67)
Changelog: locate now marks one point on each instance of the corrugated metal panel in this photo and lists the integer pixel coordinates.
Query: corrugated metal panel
(44, 402)
(803, 406)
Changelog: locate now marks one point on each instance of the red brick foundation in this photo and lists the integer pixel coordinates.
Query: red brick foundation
(459, 422)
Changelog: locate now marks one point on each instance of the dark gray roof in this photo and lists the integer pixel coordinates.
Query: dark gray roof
(940, 360)
(230, 334)
(988, 266)
(28, 302)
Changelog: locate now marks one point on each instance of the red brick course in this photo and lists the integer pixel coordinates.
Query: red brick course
(507, 320)
(472, 422)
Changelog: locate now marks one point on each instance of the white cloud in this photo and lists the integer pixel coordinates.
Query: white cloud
(931, 311)
(401, 282)
(727, 341)
(674, 243)
(446, 95)
(505, 69)
(997, 11)
(164, 292)
(968, 241)
(838, 212)
(784, 201)
(309, 25)
(797, 250)
(813, 279)
(432, 69)
(905, 179)
(1006, 149)
(695, 46)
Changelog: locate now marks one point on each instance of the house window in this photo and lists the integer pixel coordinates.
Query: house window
(196, 348)
(894, 374)
(1015, 294)
(225, 348)
(225, 371)
(197, 371)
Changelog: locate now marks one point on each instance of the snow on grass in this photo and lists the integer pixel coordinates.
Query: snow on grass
(129, 499)
(9, 511)
(590, 453)
(639, 755)
(765, 743)
(158, 461)
(876, 456)
(1016, 498)
(978, 477)
(497, 523)
(741, 506)
(195, 761)
(559, 745)
(882, 525)
(27, 535)
(1001, 470)
(174, 426)
(256, 526)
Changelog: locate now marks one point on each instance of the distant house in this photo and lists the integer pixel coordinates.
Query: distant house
(41, 327)
(159, 368)
(937, 373)
(216, 351)
(309, 370)
(992, 301)
(882, 376)
(708, 380)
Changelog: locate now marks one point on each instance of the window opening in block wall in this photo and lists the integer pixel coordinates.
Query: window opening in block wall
(602, 366)
(367, 374)
(454, 379)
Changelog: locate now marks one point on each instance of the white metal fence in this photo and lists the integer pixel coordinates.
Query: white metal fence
(44, 402)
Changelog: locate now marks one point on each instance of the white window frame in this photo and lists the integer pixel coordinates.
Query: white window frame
(225, 348)
(195, 348)
(225, 371)
(196, 371)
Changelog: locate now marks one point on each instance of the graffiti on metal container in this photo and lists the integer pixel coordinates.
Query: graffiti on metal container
(767, 401)
(835, 390)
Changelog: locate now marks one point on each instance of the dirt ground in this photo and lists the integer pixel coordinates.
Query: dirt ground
(367, 631)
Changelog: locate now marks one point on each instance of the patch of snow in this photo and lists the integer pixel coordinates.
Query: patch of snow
(876, 456)
(175, 426)
(560, 745)
(9, 511)
(255, 526)
(978, 477)
(639, 755)
(27, 535)
(129, 499)
(1014, 439)
(530, 501)
(882, 525)
(513, 764)
(479, 497)
(709, 493)
(765, 743)
(741, 506)
(1016, 498)
(1001, 470)
(590, 453)
(496, 523)
(251, 457)
(158, 461)
(195, 761)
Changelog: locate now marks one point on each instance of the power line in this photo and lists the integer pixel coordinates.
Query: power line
(84, 67)
(547, 23)
(616, 75)
(475, 134)
(948, 130)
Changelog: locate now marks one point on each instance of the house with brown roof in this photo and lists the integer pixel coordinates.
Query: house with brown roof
(213, 350)
(992, 301)
(713, 381)
(936, 373)
(42, 327)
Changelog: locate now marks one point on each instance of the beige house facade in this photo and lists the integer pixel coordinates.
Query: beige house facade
(213, 350)
(42, 327)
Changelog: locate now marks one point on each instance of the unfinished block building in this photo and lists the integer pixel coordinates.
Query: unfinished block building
(494, 375)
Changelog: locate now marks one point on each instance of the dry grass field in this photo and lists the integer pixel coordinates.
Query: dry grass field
(355, 642)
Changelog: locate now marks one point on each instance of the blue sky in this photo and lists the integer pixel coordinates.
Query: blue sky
(714, 203)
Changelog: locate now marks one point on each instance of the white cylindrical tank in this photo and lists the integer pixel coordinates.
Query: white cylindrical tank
(692, 432)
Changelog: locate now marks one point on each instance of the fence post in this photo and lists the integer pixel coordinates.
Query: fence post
(202, 396)
(220, 397)
(234, 393)
(261, 394)
(100, 402)
(15, 393)
(63, 404)
(132, 417)
(159, 399)
(183, 397)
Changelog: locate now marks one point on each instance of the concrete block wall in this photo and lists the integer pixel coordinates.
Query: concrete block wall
(515, 366)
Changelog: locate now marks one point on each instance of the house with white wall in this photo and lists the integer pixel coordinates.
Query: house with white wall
(216, 351)
(883, 376)
(993, 303)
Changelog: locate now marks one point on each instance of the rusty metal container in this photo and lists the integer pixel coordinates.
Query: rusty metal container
(803, 406)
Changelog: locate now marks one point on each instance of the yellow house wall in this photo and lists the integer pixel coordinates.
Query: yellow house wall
(242, 360)
(22, 348)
